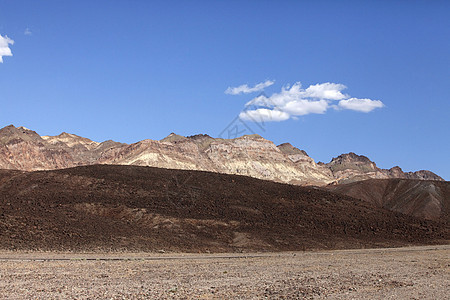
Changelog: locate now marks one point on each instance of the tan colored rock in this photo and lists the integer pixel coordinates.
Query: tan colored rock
(250, 155)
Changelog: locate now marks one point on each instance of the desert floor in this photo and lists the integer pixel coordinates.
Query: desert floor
(400, 273)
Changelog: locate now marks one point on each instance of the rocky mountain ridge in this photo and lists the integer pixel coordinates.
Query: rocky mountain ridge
(250, 155)
(351, 167)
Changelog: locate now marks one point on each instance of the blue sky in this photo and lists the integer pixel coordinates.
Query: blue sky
(131, 70)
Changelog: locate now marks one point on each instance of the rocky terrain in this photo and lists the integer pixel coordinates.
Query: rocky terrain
(400, 273)
(132, 208)
(420, 198)
(251, 155)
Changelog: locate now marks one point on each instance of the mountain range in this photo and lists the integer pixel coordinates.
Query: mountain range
(68, 192)
(250, 155)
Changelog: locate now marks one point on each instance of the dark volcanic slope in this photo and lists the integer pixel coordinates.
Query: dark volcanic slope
(142, 208)
(420, 198)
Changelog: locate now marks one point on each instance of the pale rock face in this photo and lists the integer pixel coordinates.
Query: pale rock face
(250, 155)
(257, 157)
(156, 154)
(70, 140)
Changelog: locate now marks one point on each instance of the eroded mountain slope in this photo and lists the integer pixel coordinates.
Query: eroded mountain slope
(420, 198)
(251, 155)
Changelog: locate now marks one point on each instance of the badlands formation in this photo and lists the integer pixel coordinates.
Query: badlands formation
(250, 155)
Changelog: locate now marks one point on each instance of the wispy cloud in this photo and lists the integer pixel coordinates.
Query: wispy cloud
(294, 101)
(5, 41)
(28, 31)
(245, 89)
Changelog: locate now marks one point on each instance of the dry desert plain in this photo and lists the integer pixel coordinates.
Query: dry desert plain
(395, 273)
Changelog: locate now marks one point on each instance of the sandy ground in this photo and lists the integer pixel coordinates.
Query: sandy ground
(402, 273)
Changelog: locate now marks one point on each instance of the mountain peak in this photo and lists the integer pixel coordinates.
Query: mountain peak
(10, 129)
(351, 161)
(173, 137)
(11, 133)
(427, 175)
(251, 137)
(65, 134)
(351, 157)
(23, 128)
(199, 136)
(287, 148)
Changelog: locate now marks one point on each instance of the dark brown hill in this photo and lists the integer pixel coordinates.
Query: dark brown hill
(104, 207)
(421, 198)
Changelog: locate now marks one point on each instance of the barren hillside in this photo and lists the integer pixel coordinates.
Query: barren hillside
(105, 207)
(420, 198)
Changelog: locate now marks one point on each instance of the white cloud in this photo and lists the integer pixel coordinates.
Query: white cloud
(4, 47)
(294, 101)
(263, 115)
(306, 107)
(245, 89)
(363, 105)
(331, 91)
(28, 31)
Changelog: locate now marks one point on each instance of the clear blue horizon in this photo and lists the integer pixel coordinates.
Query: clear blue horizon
(134, 70)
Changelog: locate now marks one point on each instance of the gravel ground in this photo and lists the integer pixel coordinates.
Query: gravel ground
(402, 273)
